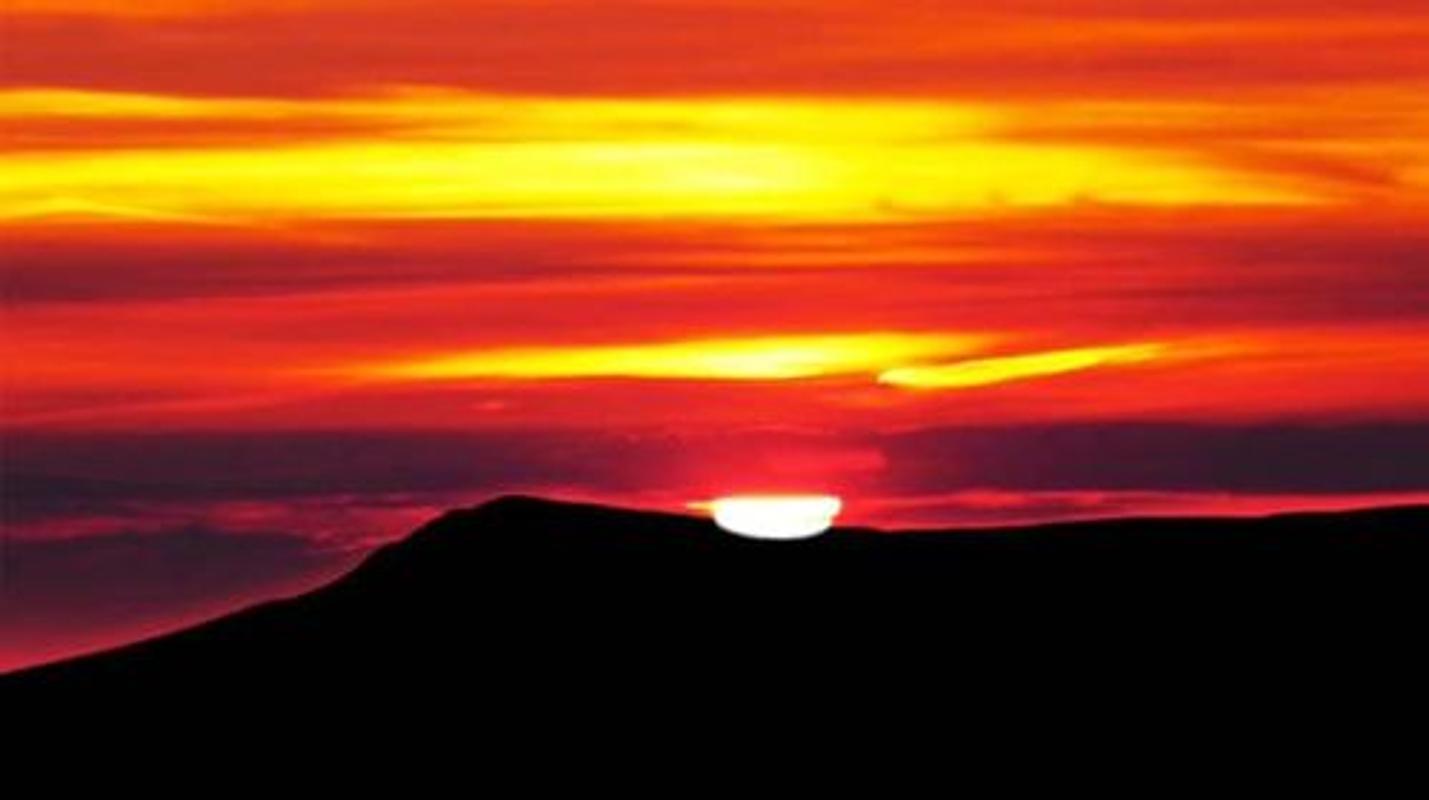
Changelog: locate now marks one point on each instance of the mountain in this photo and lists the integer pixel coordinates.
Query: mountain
(534, 601)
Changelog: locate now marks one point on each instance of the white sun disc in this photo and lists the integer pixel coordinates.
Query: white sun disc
(779, 517)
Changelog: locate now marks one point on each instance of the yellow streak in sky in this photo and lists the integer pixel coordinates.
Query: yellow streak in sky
(753, 359)
(988, 371)
(435, 154)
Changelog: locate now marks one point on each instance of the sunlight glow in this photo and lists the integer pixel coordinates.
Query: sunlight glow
(413, 152)
(755, 359)
(777, 517)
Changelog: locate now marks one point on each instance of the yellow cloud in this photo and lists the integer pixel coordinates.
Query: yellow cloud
(771, 358)
(416, 153)
(988, 371)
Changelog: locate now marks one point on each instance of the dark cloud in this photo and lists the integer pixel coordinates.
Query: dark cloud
(1316, 267)
(1250, 459)
(47, 264)
(64, 474)
(65, 596)
(1165, 269)
(57, 475)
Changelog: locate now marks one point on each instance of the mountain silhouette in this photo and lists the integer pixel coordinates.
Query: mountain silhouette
(536, 600)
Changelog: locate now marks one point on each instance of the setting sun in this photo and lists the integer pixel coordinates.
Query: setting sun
(775, 516)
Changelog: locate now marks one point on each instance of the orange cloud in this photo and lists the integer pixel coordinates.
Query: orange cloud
(1077, 48)
(174, 8)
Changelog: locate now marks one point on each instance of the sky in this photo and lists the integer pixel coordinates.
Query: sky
(283, 278)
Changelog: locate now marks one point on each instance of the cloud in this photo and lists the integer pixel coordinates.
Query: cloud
(53, 475)
(453, 155)
(1126, 456)
(979, 507)
(1024, 366)
(61, 597)
(753, 359)
(643, 47)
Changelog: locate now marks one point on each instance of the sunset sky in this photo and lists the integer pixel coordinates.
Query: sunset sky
(282, 278)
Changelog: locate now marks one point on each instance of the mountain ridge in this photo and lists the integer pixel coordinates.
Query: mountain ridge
(514, 586)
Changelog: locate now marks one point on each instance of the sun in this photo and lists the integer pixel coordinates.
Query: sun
(777, 517)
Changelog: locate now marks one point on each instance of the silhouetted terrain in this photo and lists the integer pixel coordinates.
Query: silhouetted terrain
(531, 600)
